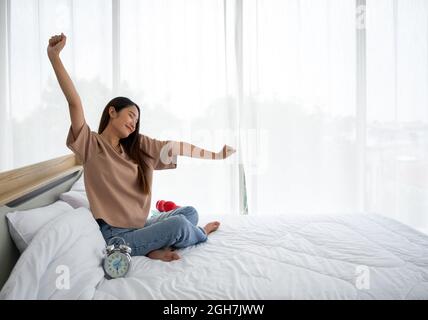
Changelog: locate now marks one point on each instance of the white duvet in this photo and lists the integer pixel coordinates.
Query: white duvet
(249, 257)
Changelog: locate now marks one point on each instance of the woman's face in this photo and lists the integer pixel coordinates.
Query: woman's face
(124, 121)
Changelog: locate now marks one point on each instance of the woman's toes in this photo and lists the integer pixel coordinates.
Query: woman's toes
(175, 256)
(212, 226)
(170, 256)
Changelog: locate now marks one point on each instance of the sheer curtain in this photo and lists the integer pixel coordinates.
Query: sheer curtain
(36, 114)
(397, 110)
(340, 88)
(300, 93)
(167, 56)
(172, 60)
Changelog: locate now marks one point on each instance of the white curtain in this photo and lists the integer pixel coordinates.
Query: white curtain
(397, 109)
(326, 100)
(300, 91)
(37, 114)
(167, 56)
(173, 62)
(341, 89)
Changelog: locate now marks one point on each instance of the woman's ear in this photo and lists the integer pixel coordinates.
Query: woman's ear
(112, 112)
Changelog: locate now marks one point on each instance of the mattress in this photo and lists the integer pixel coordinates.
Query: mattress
(248, 257)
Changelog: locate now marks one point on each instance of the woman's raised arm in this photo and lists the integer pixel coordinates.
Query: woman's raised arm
(56, 44)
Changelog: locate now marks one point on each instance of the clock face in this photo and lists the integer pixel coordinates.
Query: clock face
(116, 265)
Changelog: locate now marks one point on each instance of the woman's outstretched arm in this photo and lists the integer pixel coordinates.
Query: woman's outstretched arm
(190, 150)
(56, 44)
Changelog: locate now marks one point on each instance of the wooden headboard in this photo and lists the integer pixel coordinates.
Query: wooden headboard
(30, 187)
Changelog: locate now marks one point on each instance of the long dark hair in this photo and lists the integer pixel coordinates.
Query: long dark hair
(131, 144)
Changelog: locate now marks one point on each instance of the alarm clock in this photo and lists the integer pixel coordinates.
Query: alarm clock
(117, 261)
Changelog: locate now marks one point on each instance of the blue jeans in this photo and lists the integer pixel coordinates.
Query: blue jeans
(176, 228)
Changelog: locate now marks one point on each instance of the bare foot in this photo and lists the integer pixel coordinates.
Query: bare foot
(211, 227)
(163, 254)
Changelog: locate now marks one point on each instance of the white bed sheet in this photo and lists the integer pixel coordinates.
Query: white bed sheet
(249, 257)
(276, 257)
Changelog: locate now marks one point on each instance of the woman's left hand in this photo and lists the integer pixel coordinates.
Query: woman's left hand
(225, 152)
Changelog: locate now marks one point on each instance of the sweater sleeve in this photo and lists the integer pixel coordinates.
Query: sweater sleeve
(84, 145)
(159, 150)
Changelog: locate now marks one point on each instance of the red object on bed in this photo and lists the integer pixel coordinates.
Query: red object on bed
(164, 206)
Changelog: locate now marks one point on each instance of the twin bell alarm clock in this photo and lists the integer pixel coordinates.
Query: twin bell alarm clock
(117, 262)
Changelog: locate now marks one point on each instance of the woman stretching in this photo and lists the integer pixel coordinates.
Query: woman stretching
(118, 165)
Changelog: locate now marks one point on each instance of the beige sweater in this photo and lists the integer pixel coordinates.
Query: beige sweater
(111, 178)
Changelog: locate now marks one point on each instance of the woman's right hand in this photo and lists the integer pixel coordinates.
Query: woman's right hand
(56, 44)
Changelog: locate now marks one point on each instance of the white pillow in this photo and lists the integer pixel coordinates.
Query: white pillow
(64, 261)
(76, 199)
(24, 224)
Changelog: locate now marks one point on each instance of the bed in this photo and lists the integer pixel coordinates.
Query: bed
(355, 256)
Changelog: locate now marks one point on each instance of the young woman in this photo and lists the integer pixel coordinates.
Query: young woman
(118, 166)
